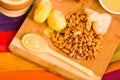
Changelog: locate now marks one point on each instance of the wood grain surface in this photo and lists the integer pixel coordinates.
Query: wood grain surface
(53, 64)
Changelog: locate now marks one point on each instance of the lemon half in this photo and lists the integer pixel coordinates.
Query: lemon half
(56, 20)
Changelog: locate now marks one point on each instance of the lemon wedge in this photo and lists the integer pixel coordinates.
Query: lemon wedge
(42, 11)
(32, 42)
(56, 20)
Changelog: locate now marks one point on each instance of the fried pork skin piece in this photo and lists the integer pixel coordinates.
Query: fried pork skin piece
(101, 22)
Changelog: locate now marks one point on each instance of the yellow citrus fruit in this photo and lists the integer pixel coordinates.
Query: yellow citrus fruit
(42, 11)
(56, 20)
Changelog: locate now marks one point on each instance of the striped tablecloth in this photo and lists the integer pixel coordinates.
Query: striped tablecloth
(12, 67)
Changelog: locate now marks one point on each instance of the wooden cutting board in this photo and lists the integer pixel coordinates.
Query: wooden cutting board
(53, 64)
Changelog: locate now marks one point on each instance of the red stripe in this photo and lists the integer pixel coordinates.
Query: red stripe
(5, 39)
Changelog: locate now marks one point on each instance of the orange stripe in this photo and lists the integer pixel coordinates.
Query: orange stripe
(28, 75)
(10, 62)
(15, 68)
(112, 67)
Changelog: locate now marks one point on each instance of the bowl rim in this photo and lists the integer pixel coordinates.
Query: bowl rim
(14, 3)
(10, 13)
(101, 3)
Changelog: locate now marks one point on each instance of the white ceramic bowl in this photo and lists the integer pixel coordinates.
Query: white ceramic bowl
(113, 12)
(15, 13)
